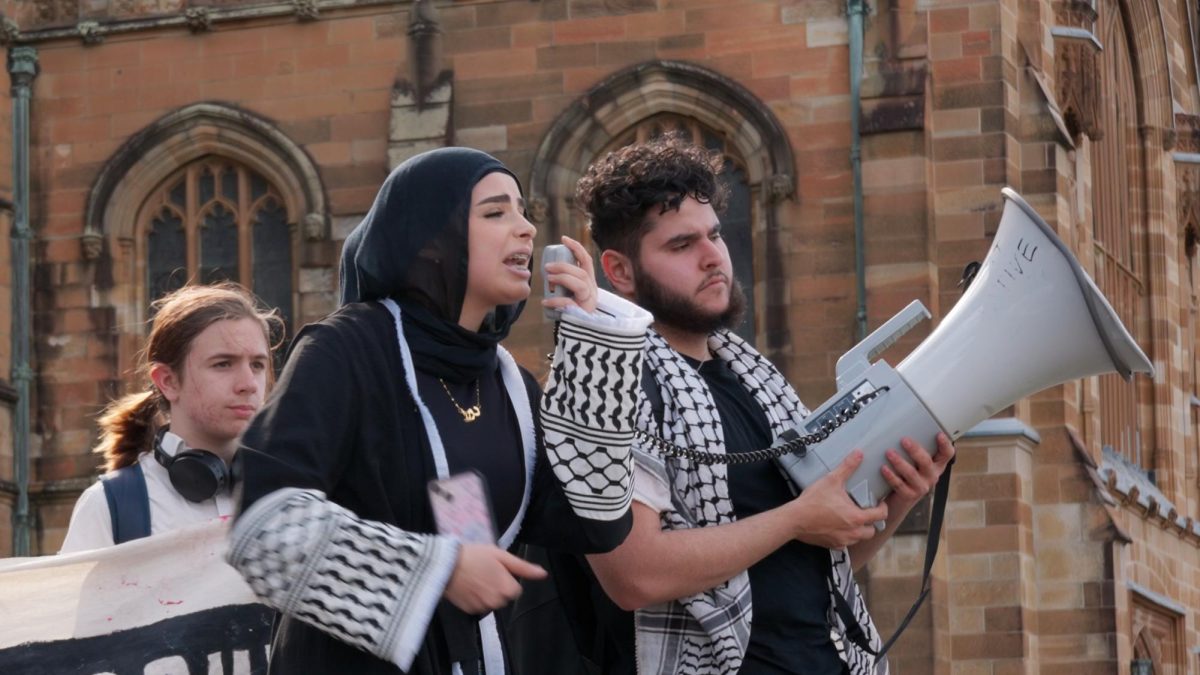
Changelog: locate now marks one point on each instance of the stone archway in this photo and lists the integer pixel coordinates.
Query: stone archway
(189, 133)
(638, 92)
(645, 89)
(157, 152)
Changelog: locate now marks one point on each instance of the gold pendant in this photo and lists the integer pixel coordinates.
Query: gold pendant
(469, 414)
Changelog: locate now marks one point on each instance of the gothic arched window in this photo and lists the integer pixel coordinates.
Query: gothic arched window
(1121, 239)
(737, 220)
(216, 220)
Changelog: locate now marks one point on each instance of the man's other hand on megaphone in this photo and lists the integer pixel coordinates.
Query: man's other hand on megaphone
(910, 483)
(824, 514)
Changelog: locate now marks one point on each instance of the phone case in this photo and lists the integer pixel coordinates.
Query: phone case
(461, 508)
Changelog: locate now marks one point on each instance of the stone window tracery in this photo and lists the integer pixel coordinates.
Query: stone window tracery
(1120, 237)
(217, 220)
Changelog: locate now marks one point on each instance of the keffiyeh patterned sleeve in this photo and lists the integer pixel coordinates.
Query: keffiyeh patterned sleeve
(589, 408)
(368, 584)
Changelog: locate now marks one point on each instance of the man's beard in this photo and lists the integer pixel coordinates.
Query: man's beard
(681, 313)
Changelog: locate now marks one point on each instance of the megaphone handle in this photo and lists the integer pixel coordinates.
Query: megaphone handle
(856, 361)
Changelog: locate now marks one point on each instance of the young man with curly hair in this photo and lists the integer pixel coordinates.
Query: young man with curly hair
(728, 569)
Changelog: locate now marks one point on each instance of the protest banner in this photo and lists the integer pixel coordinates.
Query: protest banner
(163, 605)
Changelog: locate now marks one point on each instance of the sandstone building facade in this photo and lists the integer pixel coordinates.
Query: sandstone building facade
(168, 140)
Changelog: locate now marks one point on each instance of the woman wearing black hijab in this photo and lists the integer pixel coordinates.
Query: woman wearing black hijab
(407, 383)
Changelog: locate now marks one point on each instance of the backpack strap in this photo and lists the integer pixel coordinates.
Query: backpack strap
(128, 503)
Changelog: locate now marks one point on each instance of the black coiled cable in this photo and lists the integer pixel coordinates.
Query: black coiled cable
(798, 444)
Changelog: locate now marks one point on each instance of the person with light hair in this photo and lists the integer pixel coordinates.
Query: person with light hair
(167, 449)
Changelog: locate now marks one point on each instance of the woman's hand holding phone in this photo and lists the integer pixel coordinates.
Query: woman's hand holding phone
(486, 576)
(568, 282)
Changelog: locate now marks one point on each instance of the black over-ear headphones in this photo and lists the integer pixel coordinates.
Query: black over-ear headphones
(196, 474)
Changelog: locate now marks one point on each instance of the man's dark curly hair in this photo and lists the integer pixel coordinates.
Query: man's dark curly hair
(618, 192)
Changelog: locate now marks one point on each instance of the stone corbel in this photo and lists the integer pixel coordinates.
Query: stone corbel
(538, 209)
(91, 245)
(314, 227)
(779, 187)
(89, 32)
(10, 32)
(199, 19)
(306, 10)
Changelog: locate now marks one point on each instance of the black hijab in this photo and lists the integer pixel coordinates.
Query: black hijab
(412, 247)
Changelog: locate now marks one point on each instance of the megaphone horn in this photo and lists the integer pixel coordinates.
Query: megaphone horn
(1030, 319)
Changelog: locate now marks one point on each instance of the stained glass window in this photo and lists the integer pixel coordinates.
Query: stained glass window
(218, 245)
(166, 250)
(216, 220)
(272, 251)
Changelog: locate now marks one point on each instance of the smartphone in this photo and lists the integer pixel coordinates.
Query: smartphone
(555, 253)
(461, 508)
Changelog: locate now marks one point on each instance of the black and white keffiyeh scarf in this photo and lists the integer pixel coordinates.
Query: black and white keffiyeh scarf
(707, 633)
(375, 586)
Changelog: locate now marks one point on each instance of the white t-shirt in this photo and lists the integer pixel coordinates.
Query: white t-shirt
(649, 490)
(91, 523)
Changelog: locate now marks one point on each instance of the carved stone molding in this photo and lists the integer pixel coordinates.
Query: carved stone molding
(1187, 132)
(1157, 136)
(779, 187)
(1077, 73)
(55, 11)
(45, 20)
(199, 19)
(1075, 14)
(314, 227)
(10, 32)
(191, 132)
(538, 209)
(307, 10)
(1188, 196)
(91, 245)
(89, 32)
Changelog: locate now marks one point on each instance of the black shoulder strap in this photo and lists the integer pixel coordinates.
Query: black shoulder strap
(128, 503)
(937, 513)
(652, 393)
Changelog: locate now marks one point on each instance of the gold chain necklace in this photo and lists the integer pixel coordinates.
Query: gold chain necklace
(469, 414)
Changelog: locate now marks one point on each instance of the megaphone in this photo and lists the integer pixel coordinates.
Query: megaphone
(1031, 319)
